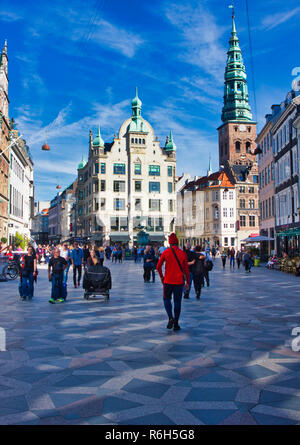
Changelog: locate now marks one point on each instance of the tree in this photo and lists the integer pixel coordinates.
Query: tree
(20, 240)
(3, 240)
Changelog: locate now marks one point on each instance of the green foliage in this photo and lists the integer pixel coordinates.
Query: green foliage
(20, 241)
(3, 240)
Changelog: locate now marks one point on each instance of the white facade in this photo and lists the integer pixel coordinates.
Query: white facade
(21, 190)
(206, 212)
(128, 185)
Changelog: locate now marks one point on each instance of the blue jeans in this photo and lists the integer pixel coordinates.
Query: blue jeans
(65, 282)
(232, 260)
(57, 286)
(27, 286)
(175, 290)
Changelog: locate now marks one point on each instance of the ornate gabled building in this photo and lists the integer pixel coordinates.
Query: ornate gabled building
(206, 211)
(127, 186)
(4, 143)
(237, 145)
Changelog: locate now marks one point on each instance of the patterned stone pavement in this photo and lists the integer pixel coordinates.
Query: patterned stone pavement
(92, 362)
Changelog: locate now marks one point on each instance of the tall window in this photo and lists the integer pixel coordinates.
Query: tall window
(251, 220)
(237, 146)
(96, 168)
(225, 212)
(170, 205)
(242, 204)
(154, 187)
(170, 187)
(102, 185)
(138, 204)
(251, 204)
(248, 147)
(137, 169)
(137, 186)
(119, 169)
(154, 205)
(119, 186)
(103, 168)
(170, 170)
(242, 220)
(119, 204)
(231, 195)
(154, 170)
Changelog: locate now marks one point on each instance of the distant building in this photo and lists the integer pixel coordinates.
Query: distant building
(40, 227)
(4, 143)
(266, 171)
(206, 211)
(21, 189)
(127, 186)
(39, 206)
(286, 157)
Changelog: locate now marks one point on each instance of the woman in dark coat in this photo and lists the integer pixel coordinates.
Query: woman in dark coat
(198, 271)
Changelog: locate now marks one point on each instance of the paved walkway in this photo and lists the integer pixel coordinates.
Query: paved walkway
(91, 362)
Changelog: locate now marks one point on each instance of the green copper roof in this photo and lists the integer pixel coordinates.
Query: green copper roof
(170, 145)
(136, 101)
(236, 98)
(81, 164)
(98, 141)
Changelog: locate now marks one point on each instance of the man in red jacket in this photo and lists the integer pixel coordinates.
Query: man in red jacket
(176, 276)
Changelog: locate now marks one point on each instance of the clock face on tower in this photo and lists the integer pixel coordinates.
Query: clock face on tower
(242, 127)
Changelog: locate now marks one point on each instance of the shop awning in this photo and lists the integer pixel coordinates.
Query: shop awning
(119, 237)
(157, 238)
(289, 232)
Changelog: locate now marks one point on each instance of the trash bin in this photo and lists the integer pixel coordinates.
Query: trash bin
(256, 262)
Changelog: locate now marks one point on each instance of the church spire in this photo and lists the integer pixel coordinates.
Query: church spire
(236, 98)
(209, 171)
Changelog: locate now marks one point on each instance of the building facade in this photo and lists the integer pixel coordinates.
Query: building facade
(128, 186)
(40, 227)
(21, 189)
(4, 143)
(286, 163)
(206, 211)
(266, 171)
(237, 146)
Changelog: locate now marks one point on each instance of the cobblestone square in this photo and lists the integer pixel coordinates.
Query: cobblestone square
(97, 362)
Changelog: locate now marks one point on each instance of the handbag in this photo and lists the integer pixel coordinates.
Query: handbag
(178, 262)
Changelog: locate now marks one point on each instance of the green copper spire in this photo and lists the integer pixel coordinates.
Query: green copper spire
(170, 145)
(136, 123)
(209, 171)
(98, 141)
(236, 98)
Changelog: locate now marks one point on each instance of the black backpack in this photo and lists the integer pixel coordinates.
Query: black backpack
(208, 264)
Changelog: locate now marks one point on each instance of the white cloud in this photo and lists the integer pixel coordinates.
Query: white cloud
(9, 16)
(273, 20)
(201, 34)
(118, 39)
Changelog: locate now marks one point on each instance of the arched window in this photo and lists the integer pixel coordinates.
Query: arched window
(144, 141)
(132, 140)
(248, 147)
(136, 141)
(238, 146)
(140, 141)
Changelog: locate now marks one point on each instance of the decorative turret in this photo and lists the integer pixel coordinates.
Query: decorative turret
(4, 81)
(98, 141)
(136, 123)
(236, 98)
(170, 145)
(82, 163)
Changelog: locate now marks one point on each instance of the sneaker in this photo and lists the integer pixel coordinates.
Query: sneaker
(52, 301)
(75, 286)
(60, 300)
(171, 323)
(176, 326)
(198, 296)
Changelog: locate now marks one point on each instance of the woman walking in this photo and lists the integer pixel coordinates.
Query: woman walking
(198, 271)
(223, 258)
(239, 257)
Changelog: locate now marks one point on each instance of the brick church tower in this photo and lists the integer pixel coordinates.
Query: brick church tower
(237, 137)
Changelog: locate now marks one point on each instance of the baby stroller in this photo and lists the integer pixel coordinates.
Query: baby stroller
(97, 281)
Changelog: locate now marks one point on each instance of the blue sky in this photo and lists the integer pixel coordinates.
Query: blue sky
(74, 65)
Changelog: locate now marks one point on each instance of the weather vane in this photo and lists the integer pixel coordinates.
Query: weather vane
(232, 7)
